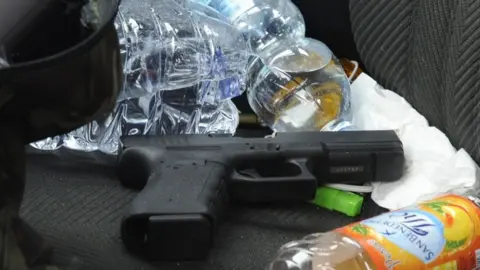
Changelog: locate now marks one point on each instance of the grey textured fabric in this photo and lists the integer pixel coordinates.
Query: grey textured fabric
(78, 206)
(428, 51)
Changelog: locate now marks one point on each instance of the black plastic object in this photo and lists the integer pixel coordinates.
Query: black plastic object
(49, 25)
(60, 68)
(188, 180)
(63, 70)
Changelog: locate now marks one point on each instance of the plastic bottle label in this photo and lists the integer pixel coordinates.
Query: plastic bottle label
(439, 234)
(419, 232)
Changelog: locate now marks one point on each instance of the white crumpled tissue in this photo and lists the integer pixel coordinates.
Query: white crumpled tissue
(433, 165)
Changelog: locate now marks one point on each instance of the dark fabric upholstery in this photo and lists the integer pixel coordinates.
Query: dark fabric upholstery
(428, 51)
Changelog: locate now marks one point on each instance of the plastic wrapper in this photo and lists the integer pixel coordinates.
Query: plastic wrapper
(182, 66)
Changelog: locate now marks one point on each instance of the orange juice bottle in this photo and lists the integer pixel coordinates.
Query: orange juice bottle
(439, 234)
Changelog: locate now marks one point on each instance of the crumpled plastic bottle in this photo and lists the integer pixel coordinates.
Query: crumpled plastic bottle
(168, 47)
(182, 66)
(295, 83)
(263, 22)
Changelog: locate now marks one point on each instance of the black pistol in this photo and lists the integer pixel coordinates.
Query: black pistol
(187, 181)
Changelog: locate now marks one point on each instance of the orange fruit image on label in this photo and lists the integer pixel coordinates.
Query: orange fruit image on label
(443, 233)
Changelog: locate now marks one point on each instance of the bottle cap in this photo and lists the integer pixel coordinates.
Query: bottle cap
(344, 202)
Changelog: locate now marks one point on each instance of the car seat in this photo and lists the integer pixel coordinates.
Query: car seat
(425, 50)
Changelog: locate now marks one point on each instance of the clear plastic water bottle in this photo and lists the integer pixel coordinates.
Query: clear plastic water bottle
(263, 22)
(168, 46)
(300, 86)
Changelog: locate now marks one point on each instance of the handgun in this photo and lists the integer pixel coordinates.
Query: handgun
(188, 181)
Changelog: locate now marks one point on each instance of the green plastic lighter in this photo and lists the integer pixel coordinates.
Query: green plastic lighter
(344, 202)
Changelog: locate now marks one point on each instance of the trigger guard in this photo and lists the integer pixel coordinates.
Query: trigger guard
(257, 189)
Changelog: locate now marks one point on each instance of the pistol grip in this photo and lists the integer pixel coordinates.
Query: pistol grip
(174, 218)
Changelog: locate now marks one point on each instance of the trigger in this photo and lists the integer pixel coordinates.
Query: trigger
(249, 173)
